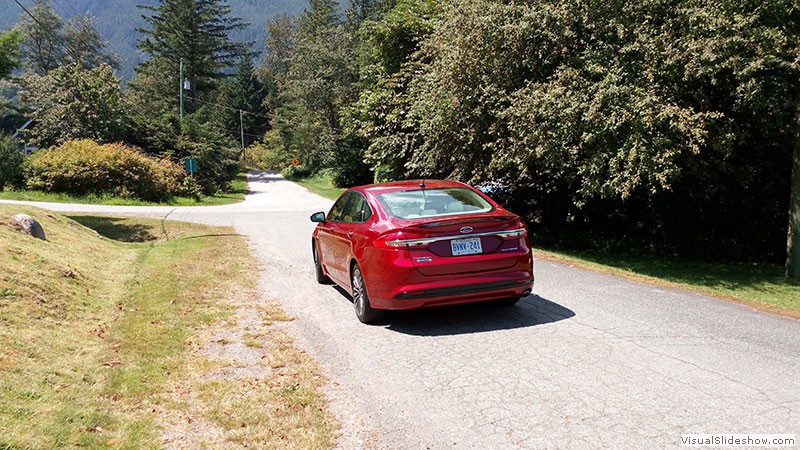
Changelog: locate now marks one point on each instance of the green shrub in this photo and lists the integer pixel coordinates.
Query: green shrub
(385, 173)
(10, 161)
(82, 167)
(347, 164)
(261, 156)
(217, 166)
(217, 155)
(296, 172)
(190, 188)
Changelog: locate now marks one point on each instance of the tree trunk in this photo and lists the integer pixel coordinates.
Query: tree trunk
(793, 242)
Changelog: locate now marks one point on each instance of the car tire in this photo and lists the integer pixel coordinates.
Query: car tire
(364, 311)
(321, 277)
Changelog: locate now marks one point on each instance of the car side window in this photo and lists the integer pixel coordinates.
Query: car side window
(357, 209)
(337, 212)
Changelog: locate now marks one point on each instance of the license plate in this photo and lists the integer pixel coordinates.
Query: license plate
(470, 246)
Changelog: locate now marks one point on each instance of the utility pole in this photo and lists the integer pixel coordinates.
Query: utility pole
(241, 126)
(181, 86)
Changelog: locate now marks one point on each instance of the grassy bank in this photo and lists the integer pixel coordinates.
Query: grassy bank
(321, 185)
(103, 338)
(762, 286)
(237, 193)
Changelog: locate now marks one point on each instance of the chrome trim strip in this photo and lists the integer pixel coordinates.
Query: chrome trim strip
(421, 242)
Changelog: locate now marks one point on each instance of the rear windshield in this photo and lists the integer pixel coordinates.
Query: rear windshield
(433, 203)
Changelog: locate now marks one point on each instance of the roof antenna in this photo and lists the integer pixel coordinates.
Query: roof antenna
(422, 185)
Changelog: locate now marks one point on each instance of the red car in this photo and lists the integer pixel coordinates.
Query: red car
(414, 244)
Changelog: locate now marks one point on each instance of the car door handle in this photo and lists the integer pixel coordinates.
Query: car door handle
(349, 234)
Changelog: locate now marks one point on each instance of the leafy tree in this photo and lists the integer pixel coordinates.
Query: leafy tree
(49, 42)
(9, 52)
(72, 103)
(280, 47)
(44, 44)
(381, 113)
(85, 45)
(196, 32)
(155, 91)
(585, 108)
(280, 43)
(741, 61)
(664, 125)
(10, 60)
(319, 81)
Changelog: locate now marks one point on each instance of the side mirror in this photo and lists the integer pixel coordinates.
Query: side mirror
(318, 217)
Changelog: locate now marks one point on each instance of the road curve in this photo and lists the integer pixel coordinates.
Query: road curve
(589, 361)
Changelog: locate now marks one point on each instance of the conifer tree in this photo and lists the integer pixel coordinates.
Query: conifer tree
(197, 32)
(244, 93)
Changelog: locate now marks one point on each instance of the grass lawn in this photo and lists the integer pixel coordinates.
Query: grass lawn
(101, 340)
(762, 286)
(321, 185)
(236, 194)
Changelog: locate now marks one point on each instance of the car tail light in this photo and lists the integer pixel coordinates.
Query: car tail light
(521, 232)
(398, 240)
(524, 228)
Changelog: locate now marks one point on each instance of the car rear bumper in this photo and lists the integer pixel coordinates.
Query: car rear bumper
(463, 290)
(452, 291)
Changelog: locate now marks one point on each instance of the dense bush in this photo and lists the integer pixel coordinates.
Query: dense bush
(347, 164)
(82, 167)
(296, 172)
(269, 155)
(10, 161)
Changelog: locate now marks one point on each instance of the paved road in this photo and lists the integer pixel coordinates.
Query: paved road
(590, 361)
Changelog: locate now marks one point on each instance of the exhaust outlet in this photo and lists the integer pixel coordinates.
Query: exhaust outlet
(526, 293)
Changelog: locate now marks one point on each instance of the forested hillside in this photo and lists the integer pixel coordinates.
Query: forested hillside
(117, 21)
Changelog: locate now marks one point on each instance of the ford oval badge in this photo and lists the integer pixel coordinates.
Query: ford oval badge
(466, 229)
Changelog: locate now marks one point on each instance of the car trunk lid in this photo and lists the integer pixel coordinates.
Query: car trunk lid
(465, 244)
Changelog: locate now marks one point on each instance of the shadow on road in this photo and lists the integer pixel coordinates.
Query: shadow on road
(263, 176)
(477, 318)
(473, 318)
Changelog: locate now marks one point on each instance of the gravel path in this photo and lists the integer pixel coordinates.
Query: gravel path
(590, 361)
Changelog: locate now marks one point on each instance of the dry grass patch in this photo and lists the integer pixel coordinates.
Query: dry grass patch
(255, 390)
(105, 343)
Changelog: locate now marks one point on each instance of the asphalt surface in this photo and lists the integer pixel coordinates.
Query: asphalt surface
(589, 361)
